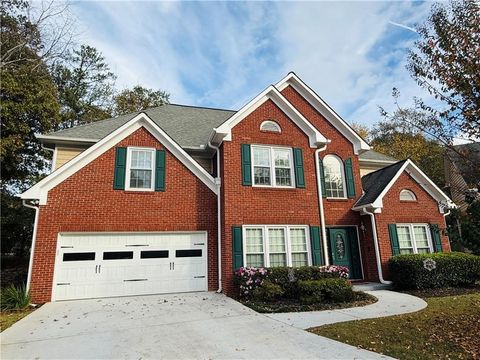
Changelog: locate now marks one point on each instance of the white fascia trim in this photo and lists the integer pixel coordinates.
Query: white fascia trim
(67, 139)
(359, 145)
(421, 178)
(368, 161)
(40, 190)
(224, 131)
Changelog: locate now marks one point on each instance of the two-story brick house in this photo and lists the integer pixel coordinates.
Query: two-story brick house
(175, 198)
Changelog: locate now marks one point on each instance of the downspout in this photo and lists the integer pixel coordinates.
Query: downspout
(34, 238)
(377, 250)
(320, 204)
(218, 182)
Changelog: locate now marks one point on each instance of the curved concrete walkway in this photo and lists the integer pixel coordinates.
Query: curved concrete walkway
(389, 303)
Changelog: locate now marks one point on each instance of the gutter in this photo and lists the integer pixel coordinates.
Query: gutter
(34, 238)
(218, 183)
(320, 204)
(375, 243)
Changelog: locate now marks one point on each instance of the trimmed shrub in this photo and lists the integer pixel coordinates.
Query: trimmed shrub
(268, 291)
(14, 298)
(422, 271)
(288, 278)
(274, 283)
(325, 290)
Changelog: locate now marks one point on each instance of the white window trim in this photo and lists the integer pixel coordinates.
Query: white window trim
(127, 175)
(266, 250)
(267, 122)
(344, 178)
(273, 180)
(412, 236)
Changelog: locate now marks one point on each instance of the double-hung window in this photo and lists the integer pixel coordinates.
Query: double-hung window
(414, 238)
(276, 245)
(272, 166)
(140, 169)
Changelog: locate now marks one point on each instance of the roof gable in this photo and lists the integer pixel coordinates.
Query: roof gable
(189, 126)
(359, 145)
(224, 131)
(40, 190)
(378, 183)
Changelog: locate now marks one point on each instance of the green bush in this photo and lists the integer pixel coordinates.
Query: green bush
(14, 298)
(418, 271)
(287, 278)
(268, 291)
(329, 290)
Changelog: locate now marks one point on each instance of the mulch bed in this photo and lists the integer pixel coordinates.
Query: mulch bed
(290, 305)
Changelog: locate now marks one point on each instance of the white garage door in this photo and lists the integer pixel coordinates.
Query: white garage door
(102, 264)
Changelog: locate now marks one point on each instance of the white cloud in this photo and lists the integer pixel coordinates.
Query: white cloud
(223, 53)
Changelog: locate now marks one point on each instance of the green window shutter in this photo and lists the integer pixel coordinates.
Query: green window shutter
(160, 161)
(349, 178)
(322, 177)
(246, 165)
(436, 238)
(392, 230)
(316, 245)
(299, 172)
(237, 246)
(120, 168)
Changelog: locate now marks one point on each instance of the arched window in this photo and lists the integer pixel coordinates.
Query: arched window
(334, 176)
(270, 126)
(407, 195)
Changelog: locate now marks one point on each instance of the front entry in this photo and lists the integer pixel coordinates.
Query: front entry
(344, 250)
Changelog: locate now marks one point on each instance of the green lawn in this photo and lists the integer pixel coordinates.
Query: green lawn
(448, 328)
(8, 318)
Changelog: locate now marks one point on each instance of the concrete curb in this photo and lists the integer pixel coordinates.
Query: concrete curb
(389, 303)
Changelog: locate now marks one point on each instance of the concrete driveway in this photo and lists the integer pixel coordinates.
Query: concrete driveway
(181, 326)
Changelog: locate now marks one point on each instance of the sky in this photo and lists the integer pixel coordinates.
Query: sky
(222, 54)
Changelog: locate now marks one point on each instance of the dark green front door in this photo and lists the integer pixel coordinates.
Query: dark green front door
(344, 250)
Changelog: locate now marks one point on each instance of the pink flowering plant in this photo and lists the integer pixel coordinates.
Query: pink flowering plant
(335, 271)
(249, 279)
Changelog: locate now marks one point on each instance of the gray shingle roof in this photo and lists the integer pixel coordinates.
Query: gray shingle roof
(374, 183)
(372, 155)
(189, 126)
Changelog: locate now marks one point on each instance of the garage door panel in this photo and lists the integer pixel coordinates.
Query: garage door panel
(103, 265)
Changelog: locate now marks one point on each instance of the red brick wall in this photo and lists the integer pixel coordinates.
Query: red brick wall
(86, 201)
(250, 205)
(337, 212)
(424, 210)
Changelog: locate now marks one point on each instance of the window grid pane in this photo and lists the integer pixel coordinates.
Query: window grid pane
(276, 240)
(254, 241)
(278, 260)
(282, 158)
(421, 239)
(261, 157)
(261, 175)
(141, 159)
(299, 259)
(141, 179)
(404, 237)
(333, 171)
(298, 240)
(255, 260)
(283, 177)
